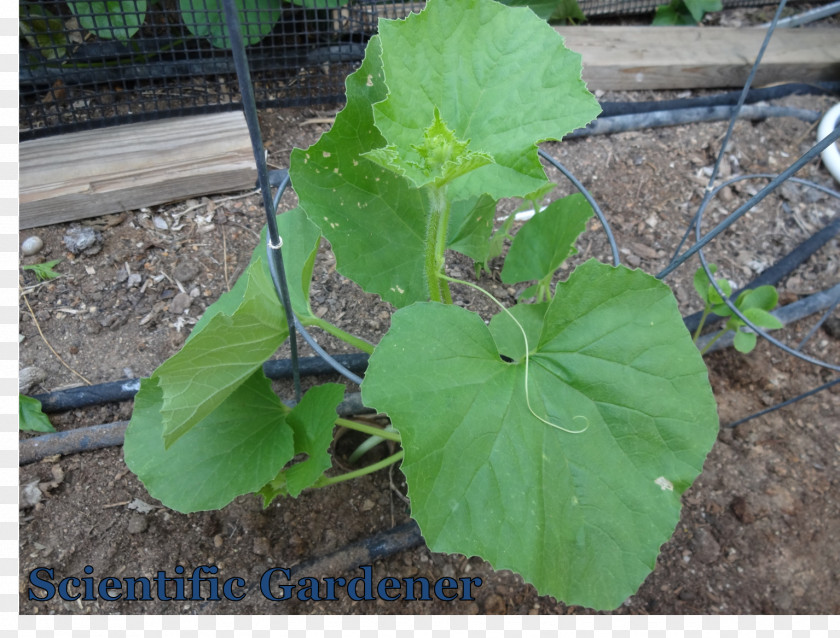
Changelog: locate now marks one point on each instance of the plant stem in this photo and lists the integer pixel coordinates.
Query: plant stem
(709, 345)
(346, 337)
(436, 232)
(706, 310)
(370, 469)
(368, 429)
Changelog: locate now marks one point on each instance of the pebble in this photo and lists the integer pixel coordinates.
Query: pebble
(180, 303)
(137, 524)
(31, 245)
(30, 495)
(185, 271)
(261, 546)
(704, 546)
(160, 223)
(82, 239)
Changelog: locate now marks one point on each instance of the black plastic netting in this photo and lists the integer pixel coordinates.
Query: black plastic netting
(87, 64)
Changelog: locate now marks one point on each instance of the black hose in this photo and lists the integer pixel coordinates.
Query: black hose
(115, 391)
(610, 109)
(675, 117)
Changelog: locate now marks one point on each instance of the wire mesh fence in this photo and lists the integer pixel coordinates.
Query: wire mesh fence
(91, 64)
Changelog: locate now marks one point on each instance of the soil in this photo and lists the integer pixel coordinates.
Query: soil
(759, 530)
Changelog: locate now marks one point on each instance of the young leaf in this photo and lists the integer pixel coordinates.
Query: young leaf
(744, 341)
(30, 416)
(544, 242)
(495, 74)
(373, 219)
(762, 318)
(312, 421)
(589, 511)
(701, 282)
(44, 271)
(470, 227)
(763, 297)
(224, 456)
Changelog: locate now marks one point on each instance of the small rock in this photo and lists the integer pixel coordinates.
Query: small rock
(185, 271)
(142, 507)
(217, 541)
(832, 327)
(30, 495)
(28, 377)
(180, 303)
(367, 505)
(687, 595)
(133, 280)
(31, 245)
(704, 546)
(160, 223)
(137, 524)
(261, 546)
(83, 239)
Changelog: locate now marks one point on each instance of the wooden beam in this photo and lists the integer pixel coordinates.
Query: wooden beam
(90, 173)
(628, 58)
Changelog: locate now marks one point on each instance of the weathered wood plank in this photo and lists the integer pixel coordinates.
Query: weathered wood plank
(627, 58)
(89, 173)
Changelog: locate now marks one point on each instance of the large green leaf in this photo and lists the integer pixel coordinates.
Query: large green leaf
(545, 240)
(588, 511)
(112, 19)
(298, 260)
(496, 74)
(206, 19)
(223, 456)
(221, 356)
(374, 220)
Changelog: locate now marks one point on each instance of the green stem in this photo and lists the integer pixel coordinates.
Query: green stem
(706, 310)
(370, 469)
(346, 337)
(709, 345)
(368, 429)
(436, 232)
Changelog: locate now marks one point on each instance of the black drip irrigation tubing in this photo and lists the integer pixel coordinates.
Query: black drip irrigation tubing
(114, 391)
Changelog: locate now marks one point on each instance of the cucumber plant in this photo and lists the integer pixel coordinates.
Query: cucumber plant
(573, 424)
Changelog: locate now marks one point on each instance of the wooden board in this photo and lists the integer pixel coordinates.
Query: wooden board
(628, 58)
(90, 173)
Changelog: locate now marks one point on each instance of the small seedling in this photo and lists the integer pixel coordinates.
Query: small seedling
(44, 271)
(755, 304)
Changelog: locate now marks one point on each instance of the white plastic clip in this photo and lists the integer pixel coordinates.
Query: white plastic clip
(276, 246)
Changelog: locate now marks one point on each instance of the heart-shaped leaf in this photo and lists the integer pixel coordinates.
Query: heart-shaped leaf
(484, 462)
